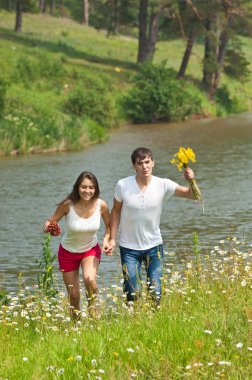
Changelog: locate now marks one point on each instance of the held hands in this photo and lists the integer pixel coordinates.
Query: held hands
(108, 246)
(188, 174)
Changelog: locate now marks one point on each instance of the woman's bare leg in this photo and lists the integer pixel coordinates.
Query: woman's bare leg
(72, 282)
(90, 267)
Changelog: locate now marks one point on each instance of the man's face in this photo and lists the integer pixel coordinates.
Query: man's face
(144, 167)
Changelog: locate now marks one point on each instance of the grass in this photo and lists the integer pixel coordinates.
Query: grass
(202, 330)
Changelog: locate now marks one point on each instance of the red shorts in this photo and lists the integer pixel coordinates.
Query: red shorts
(69, 261)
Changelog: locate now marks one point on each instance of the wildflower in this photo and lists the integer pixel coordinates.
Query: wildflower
(60, 371)
(218, 342)
(223, 362)
(94, 362)
(208, 332)
(243, 283)
(25, 359)
(182, 158)
(78, 358)
(130, 349)
(188, 366)
(101, 370)
(118, 70)
(239, 345)
(250, 348)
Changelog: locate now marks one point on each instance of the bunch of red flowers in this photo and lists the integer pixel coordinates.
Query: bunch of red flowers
(54, 229)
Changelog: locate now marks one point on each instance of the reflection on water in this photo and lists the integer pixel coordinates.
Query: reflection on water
(31, 186)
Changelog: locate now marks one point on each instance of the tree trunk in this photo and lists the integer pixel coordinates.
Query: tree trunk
(152, 37)
(86, 13)
(42, 5)
(211, 51)
(142, 37)
(220, 60)
(187, 54)
(19, 16)
(52, 7)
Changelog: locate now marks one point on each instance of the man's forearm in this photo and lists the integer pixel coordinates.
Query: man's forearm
(115, 220)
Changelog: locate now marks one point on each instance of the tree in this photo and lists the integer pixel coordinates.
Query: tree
(220, 27)
(191, 25)
(86, 12)
(19, 16)
(149, 15)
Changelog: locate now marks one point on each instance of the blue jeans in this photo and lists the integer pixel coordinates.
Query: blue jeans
(131, 265)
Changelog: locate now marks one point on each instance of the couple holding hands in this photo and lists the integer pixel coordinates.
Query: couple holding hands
(137, 208)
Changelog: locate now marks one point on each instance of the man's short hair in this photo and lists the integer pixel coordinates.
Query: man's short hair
(140, 154)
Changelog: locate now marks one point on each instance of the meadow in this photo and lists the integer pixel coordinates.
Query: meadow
(201, 330)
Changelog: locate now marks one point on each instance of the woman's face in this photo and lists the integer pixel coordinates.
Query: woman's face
(86, 189)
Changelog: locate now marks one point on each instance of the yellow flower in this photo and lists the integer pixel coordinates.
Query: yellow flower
(182, 158)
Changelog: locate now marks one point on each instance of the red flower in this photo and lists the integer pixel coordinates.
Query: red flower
(54, 229)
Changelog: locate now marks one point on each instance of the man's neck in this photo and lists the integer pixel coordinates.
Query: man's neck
(143, 182)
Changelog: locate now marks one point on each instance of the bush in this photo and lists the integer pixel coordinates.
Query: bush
(21, 132)
(236, 64)
(157, 96)
(31, 68)
(91, 98)
(227, 103)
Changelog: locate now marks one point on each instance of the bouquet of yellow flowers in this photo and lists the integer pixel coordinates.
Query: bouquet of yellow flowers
(182, 158)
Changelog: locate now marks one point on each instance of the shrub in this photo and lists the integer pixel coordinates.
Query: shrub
(228, 103)
(22, 132)
(30, 68)
(91, 98)
(236, 64)
(157, 96)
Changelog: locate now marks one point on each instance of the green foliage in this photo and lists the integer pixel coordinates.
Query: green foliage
(79, 132)
(36, 65)
(227, 103)
(157, 96)
(21, 132)
(46, 280)
(237, 65)
(3, 88)
(91, 98)
(4, 297)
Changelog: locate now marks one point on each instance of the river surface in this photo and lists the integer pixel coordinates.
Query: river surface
(30, 187)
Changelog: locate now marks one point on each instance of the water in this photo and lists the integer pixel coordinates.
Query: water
(31, 186)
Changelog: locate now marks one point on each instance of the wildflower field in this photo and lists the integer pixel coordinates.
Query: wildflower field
(202, 329)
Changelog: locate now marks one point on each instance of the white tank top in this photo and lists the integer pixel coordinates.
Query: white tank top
(81, 233)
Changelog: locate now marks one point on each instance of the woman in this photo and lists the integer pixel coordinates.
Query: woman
(82, 210)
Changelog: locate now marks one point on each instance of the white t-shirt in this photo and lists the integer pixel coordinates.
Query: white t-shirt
(141, 211)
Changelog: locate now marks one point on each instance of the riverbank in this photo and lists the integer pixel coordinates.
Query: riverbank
(56, 68)
(202, 329)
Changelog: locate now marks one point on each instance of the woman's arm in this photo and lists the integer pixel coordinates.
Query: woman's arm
(61, 210)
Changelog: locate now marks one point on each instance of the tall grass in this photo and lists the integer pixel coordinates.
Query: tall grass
(202, 329)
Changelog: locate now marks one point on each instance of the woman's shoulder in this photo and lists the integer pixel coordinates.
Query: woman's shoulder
(66, 206)
(102, 203)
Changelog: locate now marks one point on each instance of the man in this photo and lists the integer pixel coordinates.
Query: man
(137, 209)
